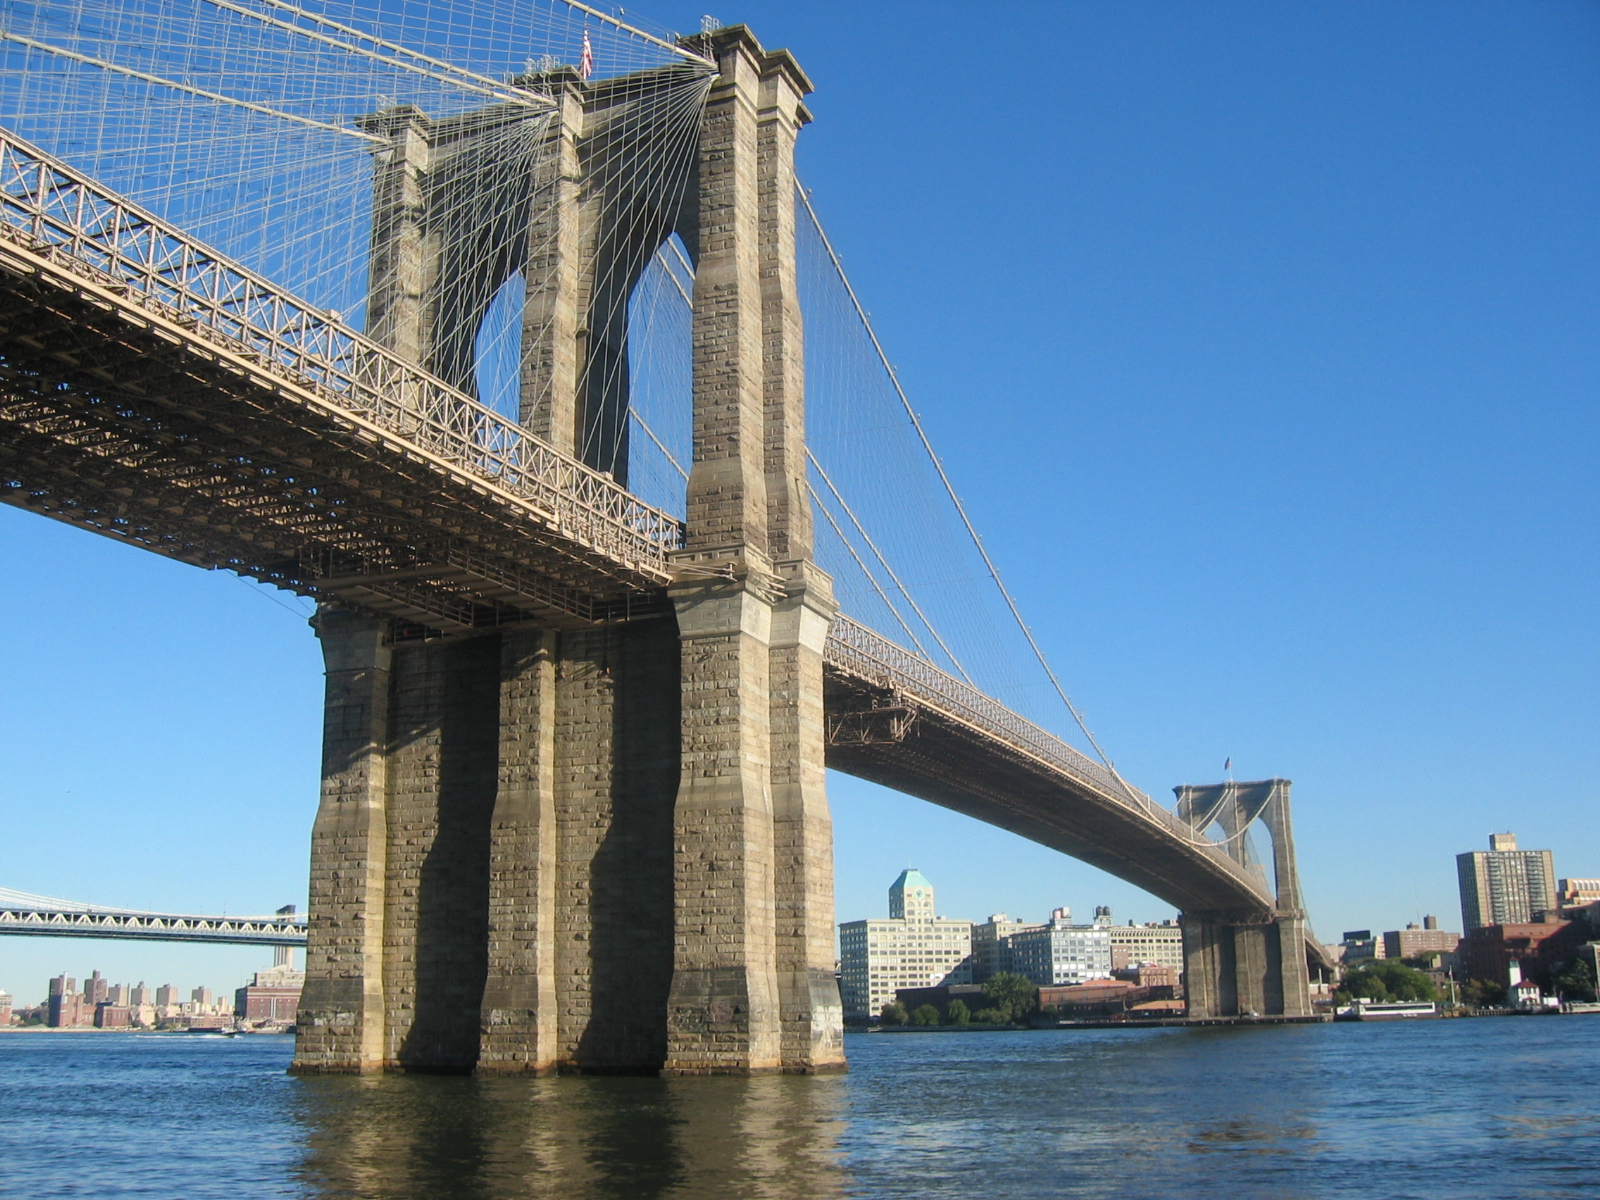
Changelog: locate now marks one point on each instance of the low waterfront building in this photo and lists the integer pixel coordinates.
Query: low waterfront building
(1103, 998)
(272, 995)
(1505, 954)
(1415, 942)
(112, 1016)
(1150, 975)
(1063, 953)
(970, 994)
(913, 948)
(1577, 893)
(1358, 946)
(1159, 944)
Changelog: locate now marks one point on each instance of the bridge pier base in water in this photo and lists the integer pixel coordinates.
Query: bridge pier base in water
(1238, 967)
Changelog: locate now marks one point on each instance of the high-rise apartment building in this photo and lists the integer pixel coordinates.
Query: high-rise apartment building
(1505, 886)
(65, 1007)
(913, 948)
(167, 996)
(95, 990)
(1063, 953)
(139, 995)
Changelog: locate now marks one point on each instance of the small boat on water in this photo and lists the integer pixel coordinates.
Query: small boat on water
(1386, 1010)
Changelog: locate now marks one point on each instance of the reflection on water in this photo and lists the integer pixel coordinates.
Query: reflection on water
(1439, 1109)
(500, 1138)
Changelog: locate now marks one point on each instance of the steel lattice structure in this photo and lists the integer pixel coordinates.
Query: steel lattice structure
(40, 918)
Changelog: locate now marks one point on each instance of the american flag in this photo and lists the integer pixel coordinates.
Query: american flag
(586, 63)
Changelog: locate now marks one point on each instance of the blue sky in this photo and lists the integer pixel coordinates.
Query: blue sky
(1261, 340)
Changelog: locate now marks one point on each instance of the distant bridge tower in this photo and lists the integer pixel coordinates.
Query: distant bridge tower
(594, 847)
(1247, 963)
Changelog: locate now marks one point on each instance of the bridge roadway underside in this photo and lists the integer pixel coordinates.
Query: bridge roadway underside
(121, 421)
(947, 762)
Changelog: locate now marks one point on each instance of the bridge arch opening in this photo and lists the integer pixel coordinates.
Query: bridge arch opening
(661, 382)
(497, 348)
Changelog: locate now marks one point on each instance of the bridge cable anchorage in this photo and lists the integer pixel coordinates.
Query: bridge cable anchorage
(667, 122)
(1133, 793)
(204, 94)
(1213, 816)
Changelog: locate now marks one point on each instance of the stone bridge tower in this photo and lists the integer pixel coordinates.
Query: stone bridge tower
(594, 847)
(1241, 964)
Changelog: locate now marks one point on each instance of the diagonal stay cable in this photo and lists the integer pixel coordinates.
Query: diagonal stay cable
(146, 77)
(867, 571)
(878, 554)
(461, 79)
(949, 488)
(660, 445)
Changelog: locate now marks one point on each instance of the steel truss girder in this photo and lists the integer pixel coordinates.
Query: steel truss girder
(185, 464)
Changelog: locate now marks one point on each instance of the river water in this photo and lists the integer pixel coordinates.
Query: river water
(1493, 1108)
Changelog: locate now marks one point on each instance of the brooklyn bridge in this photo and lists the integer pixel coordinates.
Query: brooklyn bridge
(508, 341)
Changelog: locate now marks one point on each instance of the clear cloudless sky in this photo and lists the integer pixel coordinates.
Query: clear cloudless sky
(1261, 340)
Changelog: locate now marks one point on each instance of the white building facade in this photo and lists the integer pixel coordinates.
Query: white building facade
(914, 947)
(1062, 953)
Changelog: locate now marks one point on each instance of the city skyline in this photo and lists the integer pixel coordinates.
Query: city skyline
(1164, 313)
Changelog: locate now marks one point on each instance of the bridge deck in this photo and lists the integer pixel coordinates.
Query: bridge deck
(971, 754)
